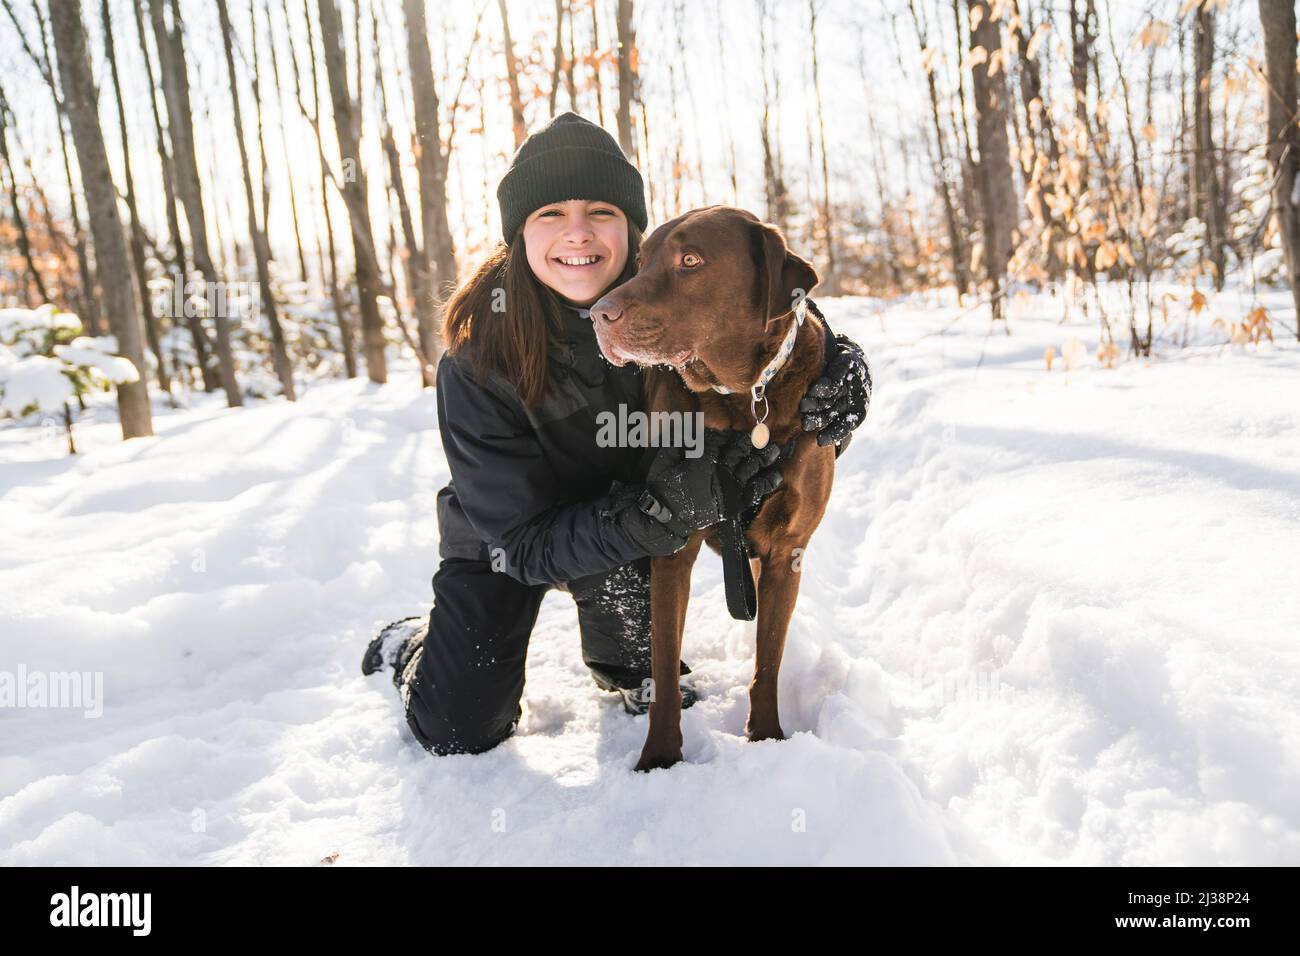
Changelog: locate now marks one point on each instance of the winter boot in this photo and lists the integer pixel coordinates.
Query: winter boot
(394, 646)
(636, 700)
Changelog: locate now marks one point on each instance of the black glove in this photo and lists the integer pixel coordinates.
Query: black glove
(682, 494)
(756, 470)
(837, 403)
(653, 536)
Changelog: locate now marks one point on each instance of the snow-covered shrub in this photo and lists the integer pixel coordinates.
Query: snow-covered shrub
(44, 362)
(1257, 239)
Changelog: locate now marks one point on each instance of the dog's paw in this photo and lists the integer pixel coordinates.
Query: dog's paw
(755, 732)
(657, 761)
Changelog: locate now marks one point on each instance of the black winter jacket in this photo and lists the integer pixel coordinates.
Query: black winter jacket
(531, 487)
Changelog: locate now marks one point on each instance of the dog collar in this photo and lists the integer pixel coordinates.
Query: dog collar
(757, 392)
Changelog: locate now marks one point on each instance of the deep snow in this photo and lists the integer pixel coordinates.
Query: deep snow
(1041, 623)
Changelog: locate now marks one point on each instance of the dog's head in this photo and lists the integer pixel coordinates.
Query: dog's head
(712, 284)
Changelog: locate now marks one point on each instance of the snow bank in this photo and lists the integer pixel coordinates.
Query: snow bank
(1041, 623)
(37, 380)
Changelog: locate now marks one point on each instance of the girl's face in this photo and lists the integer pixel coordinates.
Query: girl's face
(577, 247)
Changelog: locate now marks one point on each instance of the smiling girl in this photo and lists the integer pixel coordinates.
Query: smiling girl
(535, 500)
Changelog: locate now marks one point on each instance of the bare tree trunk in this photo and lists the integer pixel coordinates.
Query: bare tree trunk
(354, 191)
(626, 77)
(969, 189)
(512, 79)
(1031, 85)
(137, 231)
(595, 65)
(256, 81)
(994, 170)
(24, 244)
(336, 297)
(915, 254)
(765, 125)
(778, 201)
(360, 101)
(284, 142)
(645, 141)
(1277, 17)
(726, 111)
(687, 100)
(557, 57)
(881, 189)
(61, 243)
(176, 92)
(418, 283)
(1208, 190)
(570, 63)
(830, 283)
(1082, 35)
(1187, 206)
(202, 348)
(1041, 131)
(82, 101)
(431, 168)
(261, 248)
(955, 243)
(160, 143)
(89, 300)
(87, 305)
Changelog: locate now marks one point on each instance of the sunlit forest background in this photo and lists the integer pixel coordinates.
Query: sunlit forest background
(248, 197)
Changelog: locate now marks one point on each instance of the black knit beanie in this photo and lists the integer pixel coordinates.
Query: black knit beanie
(569, 158)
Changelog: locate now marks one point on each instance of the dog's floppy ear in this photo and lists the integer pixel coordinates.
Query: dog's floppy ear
(783, 277)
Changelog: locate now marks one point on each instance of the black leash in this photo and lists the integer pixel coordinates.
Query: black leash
(737, 575)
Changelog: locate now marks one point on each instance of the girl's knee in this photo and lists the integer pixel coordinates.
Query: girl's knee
(445, 726)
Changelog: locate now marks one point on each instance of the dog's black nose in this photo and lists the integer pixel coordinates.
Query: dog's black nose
(607, 310)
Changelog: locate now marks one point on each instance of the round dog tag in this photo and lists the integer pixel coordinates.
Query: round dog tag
(759, 436)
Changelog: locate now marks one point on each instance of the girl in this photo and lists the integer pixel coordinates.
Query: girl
(535, 501)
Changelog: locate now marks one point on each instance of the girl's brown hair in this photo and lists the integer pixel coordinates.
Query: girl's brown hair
(507, 315)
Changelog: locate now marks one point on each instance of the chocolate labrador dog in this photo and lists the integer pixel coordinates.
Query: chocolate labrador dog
(720, 299)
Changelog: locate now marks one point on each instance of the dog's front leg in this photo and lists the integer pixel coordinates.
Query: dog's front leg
(776, 597)
(670, 589)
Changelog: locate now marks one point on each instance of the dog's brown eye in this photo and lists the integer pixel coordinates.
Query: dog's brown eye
(691, 260)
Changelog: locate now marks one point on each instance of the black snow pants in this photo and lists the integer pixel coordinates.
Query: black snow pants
(462, 687)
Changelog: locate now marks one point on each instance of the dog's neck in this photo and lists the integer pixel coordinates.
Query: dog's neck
(773, 363)
(783, 390)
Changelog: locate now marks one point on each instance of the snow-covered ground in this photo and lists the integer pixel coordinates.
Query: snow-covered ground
(1042, 622)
